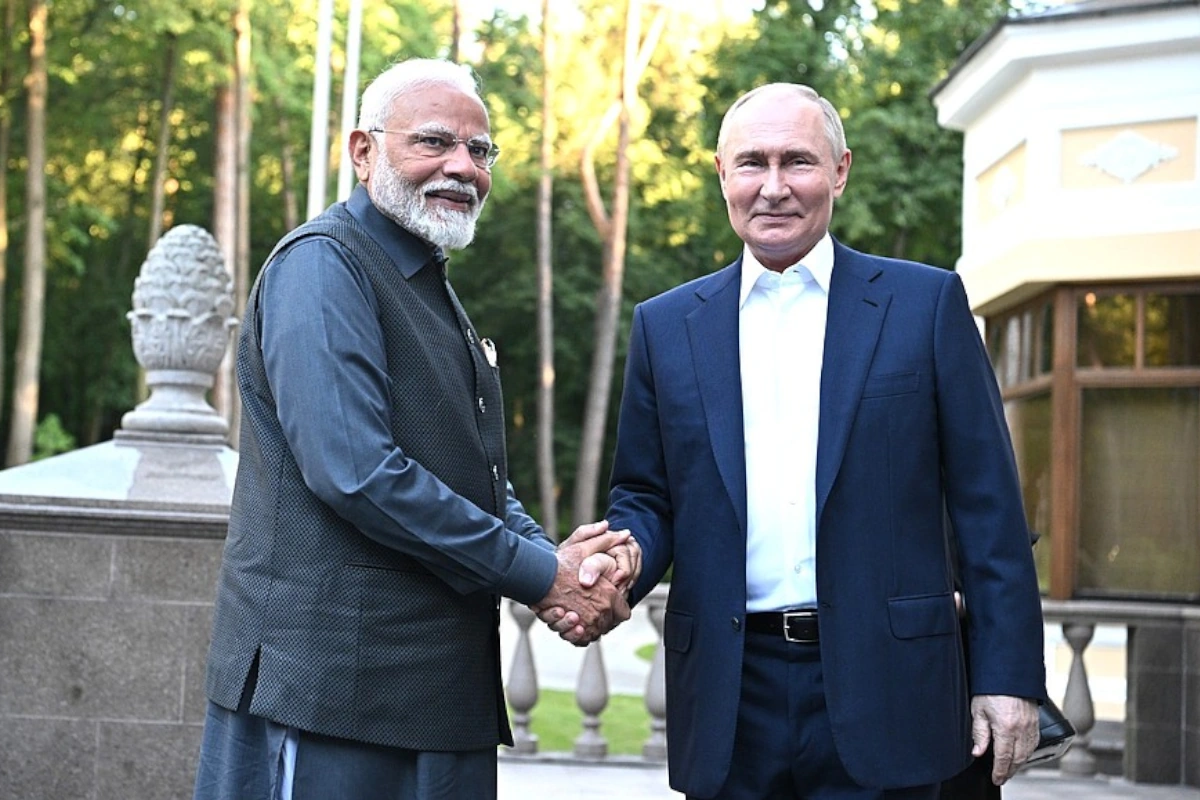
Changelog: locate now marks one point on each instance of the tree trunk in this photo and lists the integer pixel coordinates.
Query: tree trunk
(157, 183)
(7, 35)
(456, 31)
(318, 145)
(225, 206)
(33, 297)
(547, 477)
(608, 301)
(243, 88)
(900, 244)
(287, 170)
(346, 177)
(587, 161)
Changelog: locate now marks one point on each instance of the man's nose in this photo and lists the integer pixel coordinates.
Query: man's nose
(774, 186)
(458, 163)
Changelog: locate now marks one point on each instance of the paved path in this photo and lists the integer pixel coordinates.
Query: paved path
(572, 780)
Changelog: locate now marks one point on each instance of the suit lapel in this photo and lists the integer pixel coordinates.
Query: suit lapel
(856, 312)
(713, 337)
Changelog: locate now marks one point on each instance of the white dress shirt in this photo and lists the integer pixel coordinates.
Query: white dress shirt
(781, 325)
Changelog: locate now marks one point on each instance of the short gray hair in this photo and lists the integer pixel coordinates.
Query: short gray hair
(380, 96)
(833, 121)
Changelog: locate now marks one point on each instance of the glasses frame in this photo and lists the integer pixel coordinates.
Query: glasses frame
(489, 159)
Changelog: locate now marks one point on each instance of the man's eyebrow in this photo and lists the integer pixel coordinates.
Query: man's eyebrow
(444, 130)
(749, 152)
(759, 154)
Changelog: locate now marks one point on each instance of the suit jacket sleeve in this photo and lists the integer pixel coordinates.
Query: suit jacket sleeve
(984, 503)
(640, 498)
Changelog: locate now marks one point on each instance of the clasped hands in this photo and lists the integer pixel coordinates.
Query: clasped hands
(596, 569)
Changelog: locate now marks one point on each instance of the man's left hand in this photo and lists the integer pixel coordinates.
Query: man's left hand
(1010, 725)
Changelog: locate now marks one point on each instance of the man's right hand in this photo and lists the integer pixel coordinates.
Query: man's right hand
(580, 614)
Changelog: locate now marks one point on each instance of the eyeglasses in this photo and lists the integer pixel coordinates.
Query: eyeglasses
(431, 144)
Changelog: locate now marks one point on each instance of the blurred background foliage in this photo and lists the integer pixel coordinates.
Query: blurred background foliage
(106, 60)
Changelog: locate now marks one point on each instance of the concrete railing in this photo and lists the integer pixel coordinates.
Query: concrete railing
(592, 689)
(1162, 712)
(1162, 695)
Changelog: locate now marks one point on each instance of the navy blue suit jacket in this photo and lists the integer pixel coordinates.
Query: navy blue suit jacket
(911, 424)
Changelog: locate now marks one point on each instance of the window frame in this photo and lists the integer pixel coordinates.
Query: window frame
(1066, 383)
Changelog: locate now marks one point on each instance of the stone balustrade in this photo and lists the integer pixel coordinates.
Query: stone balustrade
(591, 689)
(1162, 696)
(1162, 717)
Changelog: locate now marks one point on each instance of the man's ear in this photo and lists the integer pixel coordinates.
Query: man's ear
(842, 174)
(720, 172)
(359, 148)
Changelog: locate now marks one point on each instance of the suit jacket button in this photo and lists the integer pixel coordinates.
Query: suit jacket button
(736, 623)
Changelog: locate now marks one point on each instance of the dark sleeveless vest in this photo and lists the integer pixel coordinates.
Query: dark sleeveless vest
(353, 639)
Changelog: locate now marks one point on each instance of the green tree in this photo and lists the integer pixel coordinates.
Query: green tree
(905, 192)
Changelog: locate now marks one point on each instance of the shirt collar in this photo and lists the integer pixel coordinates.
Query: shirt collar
(818, 262)
(408, 251)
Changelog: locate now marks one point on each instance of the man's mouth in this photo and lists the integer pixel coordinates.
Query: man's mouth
(462, 199)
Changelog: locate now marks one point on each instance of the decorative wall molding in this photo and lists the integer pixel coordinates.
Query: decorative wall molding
(1128, 156)
(1004, 188)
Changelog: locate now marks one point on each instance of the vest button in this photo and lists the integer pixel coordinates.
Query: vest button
(482, 406)
(495, 472)
(736, 623)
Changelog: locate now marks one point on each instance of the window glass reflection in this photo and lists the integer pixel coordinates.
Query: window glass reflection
(1107, 332)
(1140, 492)
(1046, 334)
(1029, 421)
(1172, 330)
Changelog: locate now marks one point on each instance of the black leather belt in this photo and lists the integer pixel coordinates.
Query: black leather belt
(795, 626)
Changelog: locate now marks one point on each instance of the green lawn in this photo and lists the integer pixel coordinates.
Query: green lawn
(557, 721)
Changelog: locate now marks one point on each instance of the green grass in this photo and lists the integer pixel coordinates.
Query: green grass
(557, 721)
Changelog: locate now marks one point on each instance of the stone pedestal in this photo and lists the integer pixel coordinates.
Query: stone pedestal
(108, 564)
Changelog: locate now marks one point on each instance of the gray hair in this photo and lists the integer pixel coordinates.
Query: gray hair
(833, 122)
(379, 98)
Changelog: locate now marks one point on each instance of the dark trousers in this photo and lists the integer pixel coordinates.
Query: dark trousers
(783, 747)
(241, 758)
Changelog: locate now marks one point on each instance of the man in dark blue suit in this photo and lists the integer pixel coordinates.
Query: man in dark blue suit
(792, 430)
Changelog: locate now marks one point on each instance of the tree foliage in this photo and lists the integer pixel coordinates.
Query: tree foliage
(876, 61)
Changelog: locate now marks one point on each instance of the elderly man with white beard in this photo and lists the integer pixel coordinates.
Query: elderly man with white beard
(355, 646)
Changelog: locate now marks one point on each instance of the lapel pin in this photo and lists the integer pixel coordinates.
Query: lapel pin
(489, 350)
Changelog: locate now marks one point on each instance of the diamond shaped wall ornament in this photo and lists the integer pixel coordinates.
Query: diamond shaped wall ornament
(1128, 156)
(1004, 187)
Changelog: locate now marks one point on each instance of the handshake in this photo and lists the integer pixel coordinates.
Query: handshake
(596, 569)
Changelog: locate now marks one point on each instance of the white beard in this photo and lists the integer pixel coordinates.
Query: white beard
(404, 202)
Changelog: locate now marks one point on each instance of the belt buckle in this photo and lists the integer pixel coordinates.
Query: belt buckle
(788, 616)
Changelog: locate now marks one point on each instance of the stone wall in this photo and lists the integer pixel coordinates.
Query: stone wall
(105, 613)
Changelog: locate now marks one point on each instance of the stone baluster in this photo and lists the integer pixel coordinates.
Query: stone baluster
(1077, 702)
(522, 686)
(591, 695)
(655, 748)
